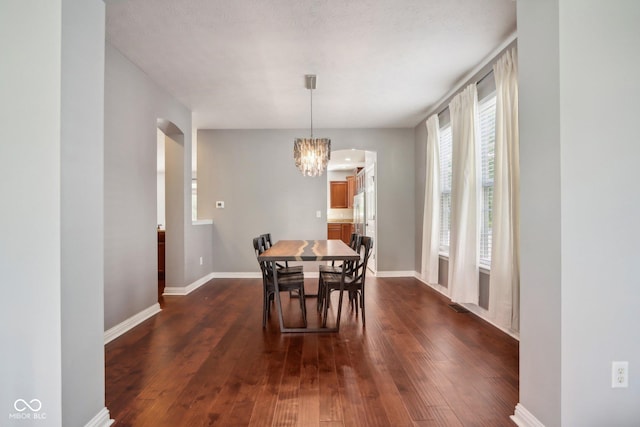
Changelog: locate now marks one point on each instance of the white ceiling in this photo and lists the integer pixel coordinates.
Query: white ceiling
(241, 64)
(346, 159)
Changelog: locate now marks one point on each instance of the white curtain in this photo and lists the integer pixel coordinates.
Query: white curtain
(431, 219)
(465, 198)
(504, 283)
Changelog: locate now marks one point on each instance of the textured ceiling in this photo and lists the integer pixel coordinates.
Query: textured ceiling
(241, 64)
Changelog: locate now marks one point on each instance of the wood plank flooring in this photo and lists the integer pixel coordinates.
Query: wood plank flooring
(206, 360)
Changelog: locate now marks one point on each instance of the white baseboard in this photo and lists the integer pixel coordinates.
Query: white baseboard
(130, 323)
(101, 419)
(524, 418)
(484, 315)
(236, 275)
(436, 286)
(394, 273)
(181, 291)
(475, 309)
(186, 290)
(252, 275)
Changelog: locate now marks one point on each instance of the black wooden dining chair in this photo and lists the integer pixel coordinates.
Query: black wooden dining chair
(290, 282)
(354, 284)
(354, 243)
(282, 268)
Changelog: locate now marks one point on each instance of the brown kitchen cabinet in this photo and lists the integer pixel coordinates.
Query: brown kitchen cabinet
(351, 190)
(334, 231)
(347, 229)
(360, 181)
(340, 231)
(161, 254)
(338, 193)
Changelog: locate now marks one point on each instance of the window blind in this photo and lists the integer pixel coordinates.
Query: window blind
(445, 186)
(487, 118)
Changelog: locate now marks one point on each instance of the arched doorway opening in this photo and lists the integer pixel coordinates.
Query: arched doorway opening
(170, 203)
(357, 169)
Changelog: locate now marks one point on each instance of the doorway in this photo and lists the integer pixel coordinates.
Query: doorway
(160, 211)
(357, 168)
(171, 213)
(371, 207)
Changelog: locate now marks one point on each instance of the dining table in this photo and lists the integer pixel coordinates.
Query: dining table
(307, 250)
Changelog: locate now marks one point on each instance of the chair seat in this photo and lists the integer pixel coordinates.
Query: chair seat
(290, 270)
(290, 281)
(330, 269)
(334, 279)
(354, 244)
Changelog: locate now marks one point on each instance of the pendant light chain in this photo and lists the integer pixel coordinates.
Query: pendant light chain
(311, 92)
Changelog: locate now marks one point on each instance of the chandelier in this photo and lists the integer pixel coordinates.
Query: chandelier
(311, 154)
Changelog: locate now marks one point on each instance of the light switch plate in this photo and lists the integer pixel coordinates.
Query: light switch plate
(219, 204)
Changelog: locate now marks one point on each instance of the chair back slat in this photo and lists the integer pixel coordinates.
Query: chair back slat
(360, 269)
(267, 244)
(355, 241)
(267, 240)
(258, 246)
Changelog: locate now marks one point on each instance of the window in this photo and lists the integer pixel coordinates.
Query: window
(487, 117)
(445, 187)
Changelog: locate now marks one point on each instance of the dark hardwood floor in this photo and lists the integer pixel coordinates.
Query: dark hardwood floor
(206, 360)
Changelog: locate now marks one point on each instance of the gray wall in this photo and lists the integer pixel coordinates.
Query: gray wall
(540, 205)
(253, 172)
(420, 165)
(174, 209)
(599, 210)
(51, 104)
(133, 104)
(82, 205)
(30, 189)
(580, 234)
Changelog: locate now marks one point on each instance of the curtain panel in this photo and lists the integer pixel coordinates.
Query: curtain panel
(504, 282)
(465, 198)
(431, 218)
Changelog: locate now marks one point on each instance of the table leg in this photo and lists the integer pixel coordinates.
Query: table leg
(280, 315)
(340, 299)
(279, 308)
(277, 288)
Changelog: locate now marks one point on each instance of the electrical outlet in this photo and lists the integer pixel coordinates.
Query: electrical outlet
(219, 204)
(619, 374)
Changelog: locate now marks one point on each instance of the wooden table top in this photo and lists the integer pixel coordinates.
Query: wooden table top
(309, 250)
